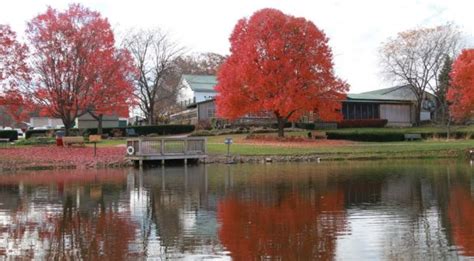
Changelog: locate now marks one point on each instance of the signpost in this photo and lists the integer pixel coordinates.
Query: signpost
(95, 139)
(228, 141)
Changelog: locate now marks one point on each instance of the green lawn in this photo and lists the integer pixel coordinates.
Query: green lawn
(415, 149)
(424, 129)
(355, 150)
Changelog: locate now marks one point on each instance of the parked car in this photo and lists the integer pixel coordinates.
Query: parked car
(21, 134)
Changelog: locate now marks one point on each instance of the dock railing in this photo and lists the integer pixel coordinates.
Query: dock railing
(151, 146)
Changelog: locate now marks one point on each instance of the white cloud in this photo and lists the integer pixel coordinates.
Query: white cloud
(355, 28)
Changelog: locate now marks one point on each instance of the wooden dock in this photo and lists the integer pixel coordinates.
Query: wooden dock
(162, 149)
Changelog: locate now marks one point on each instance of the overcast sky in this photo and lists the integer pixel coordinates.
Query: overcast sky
(355, 28)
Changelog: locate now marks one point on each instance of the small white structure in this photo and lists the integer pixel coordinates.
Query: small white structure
(45, 122)
(87, 121)
(196, 88)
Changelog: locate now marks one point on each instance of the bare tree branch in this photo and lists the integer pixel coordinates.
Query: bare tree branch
(157, 81)
(415, 57)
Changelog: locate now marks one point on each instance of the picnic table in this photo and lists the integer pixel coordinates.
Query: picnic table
(412, 136)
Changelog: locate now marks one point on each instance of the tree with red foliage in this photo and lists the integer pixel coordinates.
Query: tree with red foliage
(17, 106)
(116, 94)
(75, 65)
(461, 92)
(13, 67)
(13, 72)
(279, 64)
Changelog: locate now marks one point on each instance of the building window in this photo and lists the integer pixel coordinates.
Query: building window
(360, 110)
(211, 112)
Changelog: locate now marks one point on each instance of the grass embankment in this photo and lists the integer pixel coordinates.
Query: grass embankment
(111, 152)
(345, 150)
(337, 150)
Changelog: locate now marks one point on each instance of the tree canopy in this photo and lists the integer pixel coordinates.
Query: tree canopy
(279, 64)
(416, 57)
(69, 67)
(461, 92)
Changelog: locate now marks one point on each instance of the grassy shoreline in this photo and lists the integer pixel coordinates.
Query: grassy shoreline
(355, 150)
(244, 150)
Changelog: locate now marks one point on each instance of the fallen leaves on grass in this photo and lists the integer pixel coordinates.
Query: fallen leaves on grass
(294, 142)
(59, 157)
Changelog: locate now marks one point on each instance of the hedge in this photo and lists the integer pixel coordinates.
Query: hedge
(140, 130)
(316, 125)
(366, 123)
(144, 130)
(392, 135)
(366, 136)
(9, 134)
(36, 133)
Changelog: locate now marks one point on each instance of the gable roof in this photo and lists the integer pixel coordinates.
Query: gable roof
(203, 83)
(398, 93)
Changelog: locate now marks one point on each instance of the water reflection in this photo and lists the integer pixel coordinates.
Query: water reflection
(359, 210)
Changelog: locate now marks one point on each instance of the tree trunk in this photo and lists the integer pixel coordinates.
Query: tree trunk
(417, 113)
(281, 126)
(67, 127)
(151, 118)
(443, 114)
(99, 124)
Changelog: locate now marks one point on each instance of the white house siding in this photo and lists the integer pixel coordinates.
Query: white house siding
(185, 93)
(396, 114)
(87, 121)
(45, 122)
(204, 96)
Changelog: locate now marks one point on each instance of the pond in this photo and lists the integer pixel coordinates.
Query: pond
(339, 210)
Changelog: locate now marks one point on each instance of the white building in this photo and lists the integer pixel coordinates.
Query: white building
(45, 122)
(196, 88)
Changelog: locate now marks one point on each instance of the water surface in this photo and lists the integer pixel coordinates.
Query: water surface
(407, 210)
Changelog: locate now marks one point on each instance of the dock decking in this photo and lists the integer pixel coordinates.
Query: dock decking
(148, 148)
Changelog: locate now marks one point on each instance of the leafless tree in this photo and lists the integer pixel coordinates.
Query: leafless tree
(157, 79)
(201, 63)
(415, 57)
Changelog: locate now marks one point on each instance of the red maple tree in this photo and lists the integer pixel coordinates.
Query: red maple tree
(13, 72)
(461, 93)
(279, 64)
(77, 68)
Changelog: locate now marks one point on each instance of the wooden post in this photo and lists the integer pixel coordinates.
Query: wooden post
(139, 152)
(140, 163)
(185, 149)
(162, 149)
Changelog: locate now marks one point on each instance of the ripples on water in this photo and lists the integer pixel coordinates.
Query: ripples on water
(412, 210)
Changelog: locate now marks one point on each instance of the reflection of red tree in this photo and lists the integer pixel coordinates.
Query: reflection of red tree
(461, 212)
(102, 237)
(103, 234)
(296, 228)
(65, 177)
